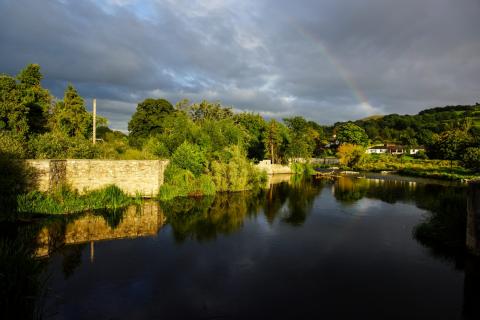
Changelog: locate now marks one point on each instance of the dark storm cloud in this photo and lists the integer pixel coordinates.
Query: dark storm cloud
(327, 60)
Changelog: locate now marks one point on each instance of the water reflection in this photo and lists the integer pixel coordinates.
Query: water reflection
(131, 222)
(288, 206)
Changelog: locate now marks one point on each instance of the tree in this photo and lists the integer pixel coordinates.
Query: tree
(351, 133)
(303, 137)
(70, 117)
(30, 76)
(255, 126)
(209, 111)
(148, 119)
(471, 158)
(24, 104)
(35, 99)
(273, 140)
(13, 114)
(350, 154)
(189, 157)
(450, 145)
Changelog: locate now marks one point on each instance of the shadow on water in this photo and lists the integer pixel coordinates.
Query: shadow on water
(22, 275)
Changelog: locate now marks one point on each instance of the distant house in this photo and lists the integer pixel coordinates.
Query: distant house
(415, 150)
(394, 149)
(377, 150)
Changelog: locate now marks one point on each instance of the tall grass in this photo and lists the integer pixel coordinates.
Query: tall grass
(64, 200)
(306, 169)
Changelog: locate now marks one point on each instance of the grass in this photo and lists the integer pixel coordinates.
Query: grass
(437, 169)
(64, 200)
(306, 169)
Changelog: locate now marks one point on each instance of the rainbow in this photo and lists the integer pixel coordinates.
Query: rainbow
(344, 74)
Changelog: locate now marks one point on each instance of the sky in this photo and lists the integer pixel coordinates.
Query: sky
(326, 60)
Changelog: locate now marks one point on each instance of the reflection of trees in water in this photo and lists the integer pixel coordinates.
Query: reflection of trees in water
(205, 218)
(298, 195)
(443, 229)
(349, 191)
(22, 276)
(301, 195)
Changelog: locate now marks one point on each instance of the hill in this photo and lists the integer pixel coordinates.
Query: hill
(419, 128)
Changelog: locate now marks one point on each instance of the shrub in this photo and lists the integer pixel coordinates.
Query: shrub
(351, 155)
(189, 157)
(471, 158)
(156, 148)
(183, 183)
(237, 173)
(57, 146)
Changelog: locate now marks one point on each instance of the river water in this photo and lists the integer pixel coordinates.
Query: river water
(345, 248)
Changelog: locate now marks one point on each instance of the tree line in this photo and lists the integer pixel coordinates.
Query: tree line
(35, 124)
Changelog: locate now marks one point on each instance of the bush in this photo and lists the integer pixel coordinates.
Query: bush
(12, 145)
(183, 183)
(57, 146)
(351, 155)
(156, 148)
(471, 158)
(237, 173)
(189, 157)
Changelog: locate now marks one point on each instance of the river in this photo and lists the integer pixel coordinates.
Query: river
(343, 248)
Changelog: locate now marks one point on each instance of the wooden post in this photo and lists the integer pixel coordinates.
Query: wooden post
(94, 120)
(473, 218)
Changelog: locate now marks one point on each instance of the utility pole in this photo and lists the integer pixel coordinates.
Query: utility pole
(94, 120)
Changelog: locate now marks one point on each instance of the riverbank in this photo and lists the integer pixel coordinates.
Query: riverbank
(434, 169)
(67, 201)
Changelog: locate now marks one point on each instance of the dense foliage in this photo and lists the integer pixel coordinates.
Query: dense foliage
(211, 147)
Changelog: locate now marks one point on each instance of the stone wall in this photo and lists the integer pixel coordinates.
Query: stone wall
(269, 168)
(142, 177)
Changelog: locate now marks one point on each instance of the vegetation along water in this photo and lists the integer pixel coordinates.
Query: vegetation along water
(219, 241)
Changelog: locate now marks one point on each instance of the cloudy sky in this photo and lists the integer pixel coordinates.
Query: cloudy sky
(328, 60)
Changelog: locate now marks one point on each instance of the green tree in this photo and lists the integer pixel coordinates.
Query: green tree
(255, 126)
(13, 114)
(471, 158)
(303, 137)
(351, 133)
(189, 157)
(24, 104)
(276, 140)
(35, 99)
(450, 145)
(70, 117)
(209, 111)
(148, 119)
(351, 154)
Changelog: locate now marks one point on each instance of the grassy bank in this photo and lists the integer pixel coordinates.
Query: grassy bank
(436, 169)
(64, 201)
